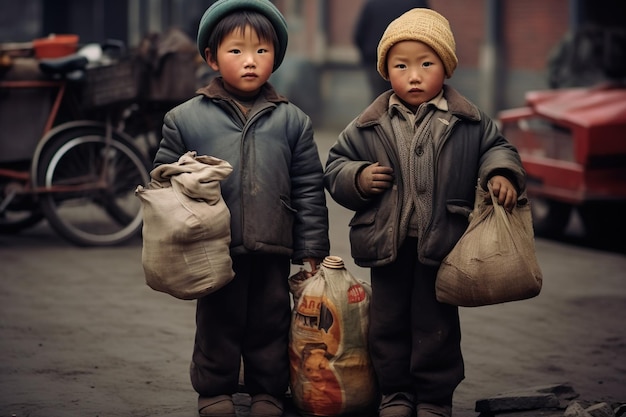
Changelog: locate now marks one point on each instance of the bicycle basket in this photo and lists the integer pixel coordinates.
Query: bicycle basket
(107, 84)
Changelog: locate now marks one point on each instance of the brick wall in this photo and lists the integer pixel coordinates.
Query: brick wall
(532, 29)
(467, 20)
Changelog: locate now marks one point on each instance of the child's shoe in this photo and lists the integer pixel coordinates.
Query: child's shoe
(220, 406)
(399, 404)
(264, 405)
(433, 410)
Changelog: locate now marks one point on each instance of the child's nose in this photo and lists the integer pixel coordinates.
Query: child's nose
(415, 75)
(249, 60)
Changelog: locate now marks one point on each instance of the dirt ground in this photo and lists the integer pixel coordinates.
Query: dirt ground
(81, 334)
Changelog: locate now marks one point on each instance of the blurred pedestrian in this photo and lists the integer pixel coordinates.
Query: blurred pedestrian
(408, 166)
(276, 199)
(373, 19)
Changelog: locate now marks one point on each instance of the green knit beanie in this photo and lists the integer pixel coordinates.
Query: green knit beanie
(221, 8)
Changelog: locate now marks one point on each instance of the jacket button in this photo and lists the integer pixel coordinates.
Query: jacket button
(419, 151)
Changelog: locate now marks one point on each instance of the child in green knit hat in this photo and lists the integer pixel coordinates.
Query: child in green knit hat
(276, 199)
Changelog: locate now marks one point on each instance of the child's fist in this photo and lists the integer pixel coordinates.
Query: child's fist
(375, 179)
(504, 191)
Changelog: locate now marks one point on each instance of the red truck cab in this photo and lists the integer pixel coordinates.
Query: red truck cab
(572, 142)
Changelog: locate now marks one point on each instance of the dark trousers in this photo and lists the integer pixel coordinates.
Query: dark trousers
(248, 318)
(415, 341)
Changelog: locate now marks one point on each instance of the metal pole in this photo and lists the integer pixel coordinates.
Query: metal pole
(490, 59)
(575, 14)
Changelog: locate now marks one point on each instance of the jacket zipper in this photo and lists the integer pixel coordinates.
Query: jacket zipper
(246, 127)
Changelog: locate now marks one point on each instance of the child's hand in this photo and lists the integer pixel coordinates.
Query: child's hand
(504, 191)
(313, 264)
(375, 179)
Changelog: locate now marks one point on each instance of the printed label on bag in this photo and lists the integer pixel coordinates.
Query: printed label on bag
(356, 294)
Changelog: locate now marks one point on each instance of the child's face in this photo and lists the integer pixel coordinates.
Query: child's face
(415, 71)
(244, 61)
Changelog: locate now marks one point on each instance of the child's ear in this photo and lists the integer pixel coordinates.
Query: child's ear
(208, 57)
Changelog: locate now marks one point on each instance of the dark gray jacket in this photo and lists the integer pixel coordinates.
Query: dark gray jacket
(275, 193)
(469, 148)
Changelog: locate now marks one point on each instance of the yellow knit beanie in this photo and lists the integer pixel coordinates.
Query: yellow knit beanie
(424, 25)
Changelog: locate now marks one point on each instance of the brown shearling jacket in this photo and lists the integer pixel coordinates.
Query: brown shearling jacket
(468, 149)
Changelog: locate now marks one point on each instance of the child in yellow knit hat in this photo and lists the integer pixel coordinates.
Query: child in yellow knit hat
(408, 166)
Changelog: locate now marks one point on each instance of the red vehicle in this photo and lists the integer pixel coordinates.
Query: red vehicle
(573, 145)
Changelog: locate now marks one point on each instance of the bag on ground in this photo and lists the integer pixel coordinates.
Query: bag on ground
(331, 372)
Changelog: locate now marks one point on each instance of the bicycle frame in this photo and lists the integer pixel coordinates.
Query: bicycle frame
(72, 164)
(50, 131)
(60, 85)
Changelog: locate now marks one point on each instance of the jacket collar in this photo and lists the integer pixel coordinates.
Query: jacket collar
(457, 105)
(215, 90)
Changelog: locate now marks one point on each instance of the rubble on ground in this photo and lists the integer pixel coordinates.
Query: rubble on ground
(550, 400)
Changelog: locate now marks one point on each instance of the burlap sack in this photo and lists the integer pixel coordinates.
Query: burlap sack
(495, 260)
(331, 373)
(186, 227)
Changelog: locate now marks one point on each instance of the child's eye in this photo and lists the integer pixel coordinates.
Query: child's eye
(427, 64)
(235, 51)
(400, 66)
(262, 51)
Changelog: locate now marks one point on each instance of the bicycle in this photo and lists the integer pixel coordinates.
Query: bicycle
(79, 171)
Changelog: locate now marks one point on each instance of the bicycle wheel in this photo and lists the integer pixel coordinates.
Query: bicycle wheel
(91, 201)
